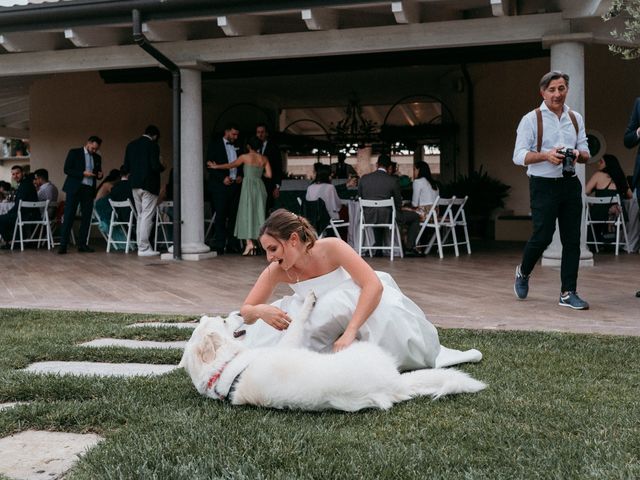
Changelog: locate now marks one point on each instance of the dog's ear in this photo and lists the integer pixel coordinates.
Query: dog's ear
(207, 349)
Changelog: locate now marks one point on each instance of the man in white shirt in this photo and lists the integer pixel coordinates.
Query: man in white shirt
(46, 189)
(545, 136)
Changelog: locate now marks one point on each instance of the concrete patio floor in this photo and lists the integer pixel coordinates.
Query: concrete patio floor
(471, 291)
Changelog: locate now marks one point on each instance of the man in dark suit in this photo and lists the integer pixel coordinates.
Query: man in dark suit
(631, 140)
(272, 152)
(380, 185)
(223, 187)
(26, 191)
(142, 161)
(83, 168)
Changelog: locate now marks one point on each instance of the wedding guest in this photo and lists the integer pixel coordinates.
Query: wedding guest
(46, 189)
(107, 184)
(342, 169)
(323, 189)
(224, 188)
(425, 189)
(270, 150)
(142, 160)
(83, 167)
(26, 191)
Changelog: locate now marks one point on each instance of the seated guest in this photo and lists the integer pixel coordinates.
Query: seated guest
(26, 191)
(5, 190)
(607, 182)
(322, 189)
(46, 189)
(342, 169)
(122, 189)
(379, 185)
(609, 179)
(425, 189)
(107, 184)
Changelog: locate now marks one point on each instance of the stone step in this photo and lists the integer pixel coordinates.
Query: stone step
(119, 342)
(41, 455)
(100, 369)
(164, 324)
(6, 406)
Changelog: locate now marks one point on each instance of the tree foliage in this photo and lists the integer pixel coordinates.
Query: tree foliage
(629, 12)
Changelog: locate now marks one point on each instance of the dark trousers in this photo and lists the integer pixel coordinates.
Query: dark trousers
(7, 225)
(551, 199)
(403, 218)
(83, 197)
(224, 202)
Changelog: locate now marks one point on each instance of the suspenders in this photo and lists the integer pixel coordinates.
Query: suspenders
(539, 119)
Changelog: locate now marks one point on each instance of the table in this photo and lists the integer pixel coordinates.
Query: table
(5, 207)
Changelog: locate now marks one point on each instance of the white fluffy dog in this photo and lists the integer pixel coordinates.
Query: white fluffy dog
(286, 376)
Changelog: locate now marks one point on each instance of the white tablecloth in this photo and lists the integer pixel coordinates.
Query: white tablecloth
(5, 207)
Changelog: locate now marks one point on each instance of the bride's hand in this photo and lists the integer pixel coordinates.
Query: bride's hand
(346, 339)
(275, 317)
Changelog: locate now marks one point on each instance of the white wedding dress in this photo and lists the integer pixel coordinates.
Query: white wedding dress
(397, 324)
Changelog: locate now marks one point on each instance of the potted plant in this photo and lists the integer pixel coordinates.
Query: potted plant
(486, 195)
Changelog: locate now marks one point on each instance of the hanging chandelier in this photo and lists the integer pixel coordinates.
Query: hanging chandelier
(354, 130)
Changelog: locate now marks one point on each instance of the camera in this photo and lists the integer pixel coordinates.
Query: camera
(568, 168)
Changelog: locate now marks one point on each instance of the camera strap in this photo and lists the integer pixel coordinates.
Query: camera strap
(572, 116)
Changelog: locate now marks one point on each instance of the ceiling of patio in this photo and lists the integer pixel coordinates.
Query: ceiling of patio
(34, 27)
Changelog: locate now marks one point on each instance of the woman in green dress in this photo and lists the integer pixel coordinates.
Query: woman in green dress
(253, 195)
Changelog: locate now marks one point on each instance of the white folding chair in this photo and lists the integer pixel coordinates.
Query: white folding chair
(125, 226)
(459, 220)
(36, 215)
(95, 222)
(365, 228)
(439, 217)
(617, 221)
(210, 222)
(334, 225)
(162, 219)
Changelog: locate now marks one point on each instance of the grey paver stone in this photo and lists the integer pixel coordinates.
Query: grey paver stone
(38, 455)
(100, 369)
(120, 342)
(164, 324)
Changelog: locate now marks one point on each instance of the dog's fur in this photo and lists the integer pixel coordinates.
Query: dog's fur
(286, 376)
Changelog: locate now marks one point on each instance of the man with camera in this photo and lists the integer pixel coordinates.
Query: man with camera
(550, 139)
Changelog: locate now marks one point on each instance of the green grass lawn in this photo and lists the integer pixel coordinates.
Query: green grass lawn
(558, 406)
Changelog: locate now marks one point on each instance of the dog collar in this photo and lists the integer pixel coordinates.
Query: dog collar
(223, 382)
(217, 374)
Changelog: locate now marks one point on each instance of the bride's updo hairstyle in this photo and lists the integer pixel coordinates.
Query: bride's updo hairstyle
(282, 223)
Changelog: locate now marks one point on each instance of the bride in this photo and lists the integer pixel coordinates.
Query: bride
(354, 302)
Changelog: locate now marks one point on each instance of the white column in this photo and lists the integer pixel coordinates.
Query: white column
(192, 170)
(568, 57)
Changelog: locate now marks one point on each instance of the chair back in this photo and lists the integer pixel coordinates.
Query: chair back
(368, 216)
(316, 212)
(123, 209)
(606, 219)
(36, 211)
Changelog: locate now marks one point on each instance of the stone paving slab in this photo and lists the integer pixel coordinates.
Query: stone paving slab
(164, 324)
(39, 455)
(6, 406)
(100, 369)
(119, 342)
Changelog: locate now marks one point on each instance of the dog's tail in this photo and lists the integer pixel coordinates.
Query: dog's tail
(437, 382)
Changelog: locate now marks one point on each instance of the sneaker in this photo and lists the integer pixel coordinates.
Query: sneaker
(148, 253)
(521, 285)
(572, 300)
